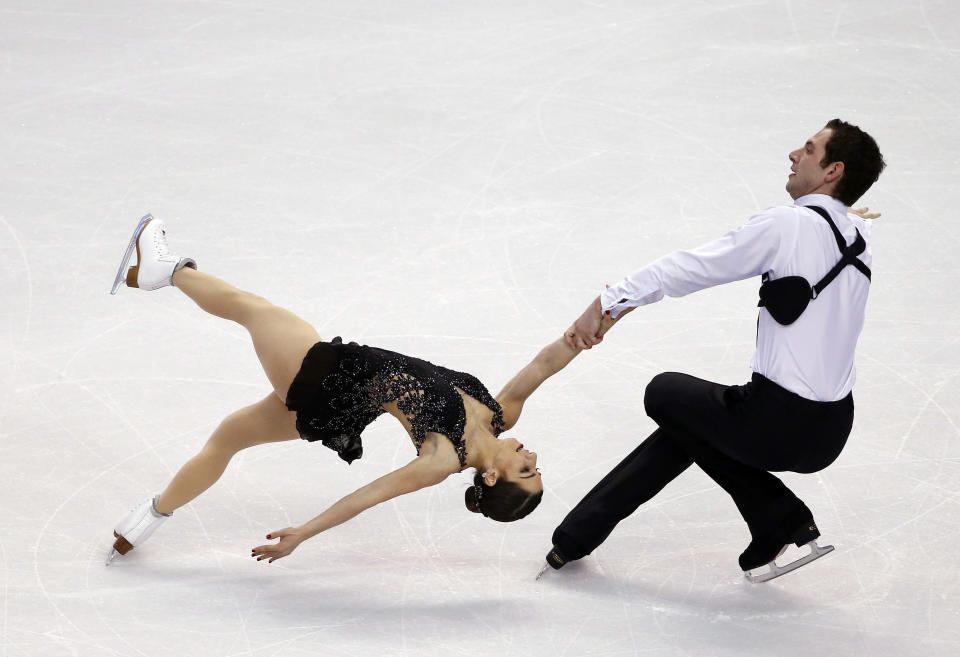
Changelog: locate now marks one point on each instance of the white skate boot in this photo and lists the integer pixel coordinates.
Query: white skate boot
(136, 528)
(155, 264)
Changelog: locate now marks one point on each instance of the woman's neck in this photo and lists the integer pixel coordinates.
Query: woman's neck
(481, 446)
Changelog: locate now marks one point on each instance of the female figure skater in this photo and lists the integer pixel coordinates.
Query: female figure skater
(330, 391)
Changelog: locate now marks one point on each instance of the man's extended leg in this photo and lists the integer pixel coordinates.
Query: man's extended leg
(641, 475)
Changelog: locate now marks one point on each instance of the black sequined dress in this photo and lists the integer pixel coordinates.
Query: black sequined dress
(341, 388)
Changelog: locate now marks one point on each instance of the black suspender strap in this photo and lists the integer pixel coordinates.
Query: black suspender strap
(836, 231)
(786, 298)
(849, 253)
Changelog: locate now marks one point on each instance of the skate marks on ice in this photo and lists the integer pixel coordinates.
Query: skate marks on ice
(398, 131)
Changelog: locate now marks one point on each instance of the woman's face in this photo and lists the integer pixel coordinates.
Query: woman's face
(519, 465)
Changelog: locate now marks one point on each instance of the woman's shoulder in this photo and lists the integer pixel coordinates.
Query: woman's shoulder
(439, 454)
(487, 412)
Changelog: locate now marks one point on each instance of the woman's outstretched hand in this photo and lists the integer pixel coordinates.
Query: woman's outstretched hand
(607, 321)
(583, 333)
(289, 537)
(865, 213)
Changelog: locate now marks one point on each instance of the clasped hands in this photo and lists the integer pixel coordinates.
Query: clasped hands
(591, 326)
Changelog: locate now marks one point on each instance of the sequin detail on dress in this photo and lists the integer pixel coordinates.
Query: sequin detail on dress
(340, 389)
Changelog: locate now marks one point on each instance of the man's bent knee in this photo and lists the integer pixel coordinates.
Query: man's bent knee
(661, 391)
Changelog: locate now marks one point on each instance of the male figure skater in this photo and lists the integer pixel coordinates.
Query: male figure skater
(797, 411)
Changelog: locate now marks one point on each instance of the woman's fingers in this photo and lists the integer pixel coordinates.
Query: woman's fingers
(262, 552)
(273, 551)
(865, 213)
(269, 552)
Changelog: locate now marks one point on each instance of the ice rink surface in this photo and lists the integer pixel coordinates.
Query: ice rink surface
(456, 180)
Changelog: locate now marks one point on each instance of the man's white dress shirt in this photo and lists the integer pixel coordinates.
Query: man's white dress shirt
(812, 357)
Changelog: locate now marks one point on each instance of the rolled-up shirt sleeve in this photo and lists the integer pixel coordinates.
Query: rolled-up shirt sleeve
(743, 252)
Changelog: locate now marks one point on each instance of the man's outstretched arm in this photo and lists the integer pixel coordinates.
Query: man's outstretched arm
(742, 253)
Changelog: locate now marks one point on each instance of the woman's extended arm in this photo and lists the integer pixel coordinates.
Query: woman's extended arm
(423, 471)
(551, 359)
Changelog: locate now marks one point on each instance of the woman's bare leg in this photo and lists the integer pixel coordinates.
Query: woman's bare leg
(280, 338)
(266, 421)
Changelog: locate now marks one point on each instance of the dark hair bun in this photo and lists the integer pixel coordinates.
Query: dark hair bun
(470, 499)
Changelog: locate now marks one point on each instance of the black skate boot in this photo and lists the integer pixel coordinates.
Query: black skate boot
(555, 560)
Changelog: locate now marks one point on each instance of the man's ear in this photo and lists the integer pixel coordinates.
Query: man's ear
(833, 172)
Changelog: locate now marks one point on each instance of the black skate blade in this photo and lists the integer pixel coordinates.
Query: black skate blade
(775, 571)
(122, 270)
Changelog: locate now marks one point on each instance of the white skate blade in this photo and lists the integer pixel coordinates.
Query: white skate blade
(122, 270)
(775, 571)
(111, 556)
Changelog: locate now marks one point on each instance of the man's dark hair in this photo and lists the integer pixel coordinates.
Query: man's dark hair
(505, 501)
(862, 161)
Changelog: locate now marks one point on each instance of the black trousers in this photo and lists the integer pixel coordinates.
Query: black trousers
(736, 434)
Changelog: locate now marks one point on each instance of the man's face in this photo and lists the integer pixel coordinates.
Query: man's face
(808, 176)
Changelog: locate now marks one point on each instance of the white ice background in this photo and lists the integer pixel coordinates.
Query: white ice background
(456, 180)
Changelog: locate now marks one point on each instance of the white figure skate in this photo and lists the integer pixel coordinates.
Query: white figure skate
(155, 264)
(136, 528)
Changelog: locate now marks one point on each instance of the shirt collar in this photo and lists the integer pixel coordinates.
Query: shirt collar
(828, 203)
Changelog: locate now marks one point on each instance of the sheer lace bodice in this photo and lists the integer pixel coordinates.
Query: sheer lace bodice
(342, 388)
